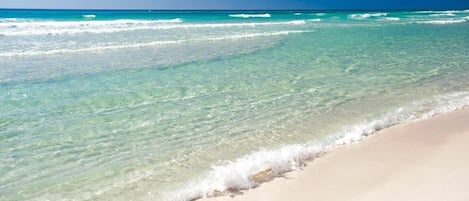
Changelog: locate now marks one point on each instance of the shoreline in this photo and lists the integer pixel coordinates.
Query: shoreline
(404, 161)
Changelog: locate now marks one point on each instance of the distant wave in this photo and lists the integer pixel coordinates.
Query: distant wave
(439, 11)
(297, 13)
(366, 15)
(392, 19)
(12, 19)
(266, 15)
(78, 27)
(445, 21)
(442, 14)
(89, 16)
(314, 20)
(30, 27)
(441, 21)
(63, 24)
(237, 174)
(150, 44)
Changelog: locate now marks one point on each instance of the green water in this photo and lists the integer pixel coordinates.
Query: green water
(137, 105)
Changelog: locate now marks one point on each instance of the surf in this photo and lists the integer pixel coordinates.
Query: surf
(101, 48)
(260, 166)
(99, 27)
(265, 15)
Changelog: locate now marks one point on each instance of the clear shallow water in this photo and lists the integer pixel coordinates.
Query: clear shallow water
(120, 105)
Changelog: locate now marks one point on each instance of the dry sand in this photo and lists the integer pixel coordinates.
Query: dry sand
(425, 160)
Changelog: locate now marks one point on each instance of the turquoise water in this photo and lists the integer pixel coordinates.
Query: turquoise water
(172, 105)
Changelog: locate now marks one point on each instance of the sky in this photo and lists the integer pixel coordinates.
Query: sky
(236, 4)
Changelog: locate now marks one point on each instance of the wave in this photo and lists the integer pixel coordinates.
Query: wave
(266, 15)
(241, 173)
(366, 15)
(446, 21)
(31, 27)
(89, 16)
(439, 11)
(297, 13)
(80, 27)
(64, 24)
(150, 44)
(12, 19)
(314, 20)
(442, 14)
(392, 19)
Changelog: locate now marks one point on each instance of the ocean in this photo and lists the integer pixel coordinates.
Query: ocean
(176, 105)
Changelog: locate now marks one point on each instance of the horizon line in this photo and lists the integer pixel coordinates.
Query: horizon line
(163, 9)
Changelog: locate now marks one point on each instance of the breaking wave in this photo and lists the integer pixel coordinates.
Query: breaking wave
(367, 15)
(314, 20)
(445, 21)
(80, 27)
(266, 15)
(29, 27)
(149, 44)
(392, 19)
(244, 172)
(89, 16)
(443, 12)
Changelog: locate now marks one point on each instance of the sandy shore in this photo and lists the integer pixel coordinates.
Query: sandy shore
(425, 160)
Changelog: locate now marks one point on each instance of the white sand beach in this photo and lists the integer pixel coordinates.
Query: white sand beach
(424, 160)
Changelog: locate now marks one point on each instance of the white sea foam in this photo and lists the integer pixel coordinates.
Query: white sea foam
(297, 13)
(392, 19)
(445, 11)
(79, 27)
(237, 174)
(12, 19)
(432, 11)
(149, 44)
(265, 15)
(30, 27)
(66, 24)
(446, 21)
(442, 14)
(366, 15)
(89, 16)
(314, 20)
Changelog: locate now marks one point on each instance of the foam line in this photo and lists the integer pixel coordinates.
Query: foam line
(367, 15)
(266, 15)
(149, 44)
(57, 28)
(237, 174)
(448, 21)
(89, 16)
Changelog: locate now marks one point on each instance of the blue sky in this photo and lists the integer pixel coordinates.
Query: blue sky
(237, 4)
